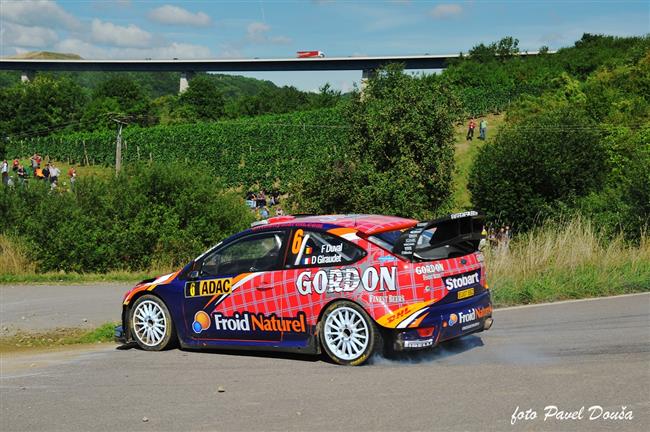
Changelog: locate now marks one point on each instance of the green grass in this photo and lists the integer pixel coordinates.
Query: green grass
(465, 153)
(63, 277)
(59, 337)
(570, 260)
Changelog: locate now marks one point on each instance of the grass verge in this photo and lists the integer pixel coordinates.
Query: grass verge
(569, 260)
(63, 336)
(64, 277)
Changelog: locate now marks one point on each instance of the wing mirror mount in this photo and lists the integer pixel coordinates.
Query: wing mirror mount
(194, 275)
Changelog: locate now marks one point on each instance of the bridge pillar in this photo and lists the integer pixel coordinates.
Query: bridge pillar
(185, 81)
(366, 74)
(27, 76)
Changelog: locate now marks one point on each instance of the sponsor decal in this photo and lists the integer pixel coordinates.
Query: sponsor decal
(469, 316)
(418, 343)
(462, 280)
(386, 258)
(465, 293)
(260, 322)
(430, 268)
(462, 215)
(397, 315)
(471, 326)
(201, 322)
(347, 280)
(208, 287)
(386, 298)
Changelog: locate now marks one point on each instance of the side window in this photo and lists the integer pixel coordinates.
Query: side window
(320, 249)
(258, 252)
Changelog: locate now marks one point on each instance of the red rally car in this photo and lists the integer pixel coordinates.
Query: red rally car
(350, 285)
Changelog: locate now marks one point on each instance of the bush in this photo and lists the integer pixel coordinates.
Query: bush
(149, 215)
(534, 167)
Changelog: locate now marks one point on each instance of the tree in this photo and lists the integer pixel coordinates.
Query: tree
(132, 99)
(203, 98)
(400, 156)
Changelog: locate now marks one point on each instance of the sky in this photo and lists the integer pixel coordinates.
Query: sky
(187, 29)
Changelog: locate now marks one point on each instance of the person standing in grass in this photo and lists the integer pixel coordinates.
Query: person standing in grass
(54, 173)
(21, 175)
(470, 130)
(5, 172)
(482, 129)
(72, 174)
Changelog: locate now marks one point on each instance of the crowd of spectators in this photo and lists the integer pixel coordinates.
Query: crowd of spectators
(264, 204)
(21, 174)
(497, 238)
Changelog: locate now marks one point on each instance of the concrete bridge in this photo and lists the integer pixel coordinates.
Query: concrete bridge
(367, 65)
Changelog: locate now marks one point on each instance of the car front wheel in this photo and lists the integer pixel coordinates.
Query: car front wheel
(151, 323)
(348, 335)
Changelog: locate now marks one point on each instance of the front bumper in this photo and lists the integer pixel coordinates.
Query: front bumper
(120, 336)
(445, 322)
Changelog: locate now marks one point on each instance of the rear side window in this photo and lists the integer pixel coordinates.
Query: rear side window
(311, 248)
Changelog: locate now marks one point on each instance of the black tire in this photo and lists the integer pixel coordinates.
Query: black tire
(345, 344)
(151, 313)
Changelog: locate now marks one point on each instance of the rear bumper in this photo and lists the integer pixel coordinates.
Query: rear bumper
(446, 322)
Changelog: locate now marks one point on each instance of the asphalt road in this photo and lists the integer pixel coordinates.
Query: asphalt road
(45, 307)
(568, 355)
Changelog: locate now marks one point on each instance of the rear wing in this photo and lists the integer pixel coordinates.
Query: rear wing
(454, 235)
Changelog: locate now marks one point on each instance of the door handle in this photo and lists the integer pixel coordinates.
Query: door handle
(264, 287)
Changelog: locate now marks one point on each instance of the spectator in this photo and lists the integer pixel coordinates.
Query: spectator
(264, 213)
(46, 172)
(279, 211)
(35, 161)
(5, 172)
(261, 199)
(38, 173)
(54, 173)
(482, 129)
(470, 130)
(72, 174)
(15, 165)
(483, 242)
(22, 175)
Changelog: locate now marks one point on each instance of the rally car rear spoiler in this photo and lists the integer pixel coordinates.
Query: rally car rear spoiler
(460, 231)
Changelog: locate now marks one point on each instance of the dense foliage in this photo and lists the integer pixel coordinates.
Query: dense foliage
(400, 151)
(490, 77)
(267, 151)
(53, 103)
(156, 215)
(536, 165)
(582, 146)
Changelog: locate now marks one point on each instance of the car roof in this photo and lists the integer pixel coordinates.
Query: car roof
(367, 224)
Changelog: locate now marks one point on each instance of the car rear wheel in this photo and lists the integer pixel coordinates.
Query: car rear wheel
(151, 323)
(348, 335)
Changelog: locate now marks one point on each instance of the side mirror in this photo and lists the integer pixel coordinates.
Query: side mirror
(194, 274)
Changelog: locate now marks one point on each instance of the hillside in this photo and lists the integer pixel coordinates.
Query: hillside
(156, 84)
(45, 55)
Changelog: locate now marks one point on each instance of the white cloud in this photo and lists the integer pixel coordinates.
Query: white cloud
(40, 13)
(446, 10)
(27, 36)
(175, 15)
(173, 50)
(122, 36)
(257, 32)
